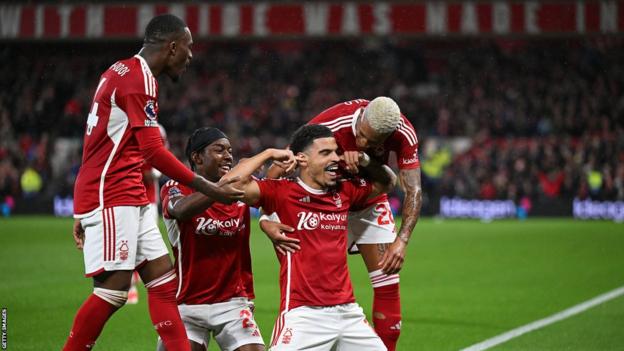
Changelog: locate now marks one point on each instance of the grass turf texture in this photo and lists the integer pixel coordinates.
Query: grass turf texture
(463, 282)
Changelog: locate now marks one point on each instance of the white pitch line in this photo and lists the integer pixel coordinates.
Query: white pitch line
(499, 339)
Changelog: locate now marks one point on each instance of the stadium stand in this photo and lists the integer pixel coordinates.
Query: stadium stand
(543, 119)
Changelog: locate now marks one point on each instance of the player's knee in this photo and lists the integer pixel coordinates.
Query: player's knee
(372, 254)
(195, 346)
(251, 347)
(155, 268)
(162, 281)
(116, 298)
(113, 280)
(160, 346)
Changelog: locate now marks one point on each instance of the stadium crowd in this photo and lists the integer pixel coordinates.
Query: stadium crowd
(546, 118)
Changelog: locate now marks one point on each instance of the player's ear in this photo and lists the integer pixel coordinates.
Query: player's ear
(302, 159)
(172, 46)
(196, 159)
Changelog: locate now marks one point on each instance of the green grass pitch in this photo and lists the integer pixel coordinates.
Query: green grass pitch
(463, 282)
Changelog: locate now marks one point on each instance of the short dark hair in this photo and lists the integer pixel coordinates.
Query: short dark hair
(162, 28)
(305, 136)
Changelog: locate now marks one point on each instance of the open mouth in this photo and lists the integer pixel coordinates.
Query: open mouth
(225, 168)
(332, 170)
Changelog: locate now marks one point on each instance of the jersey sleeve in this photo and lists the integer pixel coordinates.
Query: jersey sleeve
(142, 110)
(170, 190)
(405, 145)
(331, 116)
(154, 152)
(358, 191)
(269, 189)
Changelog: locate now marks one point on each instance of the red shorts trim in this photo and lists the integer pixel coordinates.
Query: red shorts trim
(93, 274)
(140, 265)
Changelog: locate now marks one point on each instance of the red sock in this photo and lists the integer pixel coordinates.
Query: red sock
(164, 312)
(387, 308)
(89, 323)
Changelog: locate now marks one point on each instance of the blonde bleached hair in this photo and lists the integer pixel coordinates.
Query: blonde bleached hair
(383, 115)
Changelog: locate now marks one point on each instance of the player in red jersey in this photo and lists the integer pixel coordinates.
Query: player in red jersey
(211, 246)
(151, 176)
(318, 309)
(113, 225)
(150, 180)
(378, 128)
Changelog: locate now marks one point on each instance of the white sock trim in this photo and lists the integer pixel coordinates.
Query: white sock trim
(379, 278)
(375, 273)
(165, 278)
(116, 298)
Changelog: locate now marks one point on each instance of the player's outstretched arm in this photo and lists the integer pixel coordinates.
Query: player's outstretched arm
(246, 168)
(224, 191)
(185, 207)
(285, 161)
(159, 157)
(279, 169)
(274, 172)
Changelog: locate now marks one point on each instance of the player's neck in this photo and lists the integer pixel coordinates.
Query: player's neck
(310, 183)
(213, 178)
(152, 59)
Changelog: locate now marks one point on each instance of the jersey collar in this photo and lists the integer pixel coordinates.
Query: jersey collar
(144, 65)
(356, 115)
(310, 189)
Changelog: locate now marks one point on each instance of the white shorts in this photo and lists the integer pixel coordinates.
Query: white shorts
(121, 238)
(154, 210)
(341, 327)
(231, 322)
(372, 225)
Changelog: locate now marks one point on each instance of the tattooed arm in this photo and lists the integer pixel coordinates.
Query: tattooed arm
(394, 255)
(410, 181)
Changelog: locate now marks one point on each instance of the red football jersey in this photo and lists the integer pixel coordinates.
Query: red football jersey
(341, 120)
(110, 175)
(316, 275)
(211, 250)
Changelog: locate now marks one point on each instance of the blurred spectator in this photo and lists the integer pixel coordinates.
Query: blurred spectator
(7, 205)
(30, 182)
(551, 183)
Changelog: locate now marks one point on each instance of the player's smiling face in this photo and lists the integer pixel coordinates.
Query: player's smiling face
(320, 169)
(215, 160)
(180, 55)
